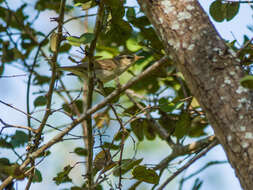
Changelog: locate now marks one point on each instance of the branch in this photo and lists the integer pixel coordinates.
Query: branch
(211, 163)
(95, 108)
(210, 146)
(16, 126)
(122, 130)
(91, 73)
(12, 76)
(181, 151)
(51, 87)
(53, 65)
(187, 149)
(29, 115)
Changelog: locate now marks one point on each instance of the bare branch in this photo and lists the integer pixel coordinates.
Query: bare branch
(16, 126)
(210, 146)
(95, 108)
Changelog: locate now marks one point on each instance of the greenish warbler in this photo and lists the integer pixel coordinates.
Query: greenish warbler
(105, 69)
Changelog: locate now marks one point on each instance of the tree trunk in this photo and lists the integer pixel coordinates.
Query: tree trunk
(212, 73)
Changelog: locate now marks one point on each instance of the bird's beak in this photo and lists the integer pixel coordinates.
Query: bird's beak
(136, 57)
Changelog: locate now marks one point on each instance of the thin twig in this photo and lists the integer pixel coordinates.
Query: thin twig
(91, 74)
(16, 126)
(122, 130)
(95, 108)
(244, 46)
(12, 76)
(181, 151)
(51, 87)
(190, 162)
(21, 111)
(200, 170)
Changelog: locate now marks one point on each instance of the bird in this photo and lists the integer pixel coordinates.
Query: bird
(105, 69)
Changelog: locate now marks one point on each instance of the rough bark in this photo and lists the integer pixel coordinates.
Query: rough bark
(212, 72)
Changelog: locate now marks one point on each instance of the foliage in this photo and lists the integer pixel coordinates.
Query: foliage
(159, 99)
(221, 10)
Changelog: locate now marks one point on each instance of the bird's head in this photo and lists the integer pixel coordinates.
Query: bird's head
(128, 59)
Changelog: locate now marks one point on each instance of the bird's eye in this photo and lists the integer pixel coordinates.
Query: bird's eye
(124, 57)
(129, 57)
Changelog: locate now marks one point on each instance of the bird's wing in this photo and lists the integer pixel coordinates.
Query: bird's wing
(82, 66)
(105, 64)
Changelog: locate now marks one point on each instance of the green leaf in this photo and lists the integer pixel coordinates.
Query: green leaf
(231, 10)
(148, 84)
(118, 136)
(19, 139)
(178, 105)
(62, 177)
(74, 41)
(4, 161)
(42, 5)
(113, 3)
(5, 144)
(126, 165)
(102, 159)
(169, 107)
(81, 151)
(130, 14)
(198, 124)
(145, 174)
(76, 188)
(40, 101)
(247, 81)
(183, 125)
(14, 170)
(165, 106)
(150, 35)
(6, 168)
(108, 91)
(169, 122)
(37, 177)
(133, 45)
(120, 31)
(40, 80)
(87, 38)
(87, 5)
(83, 39)
(110, 146)
(69, 107)
(217, 11)
(149, 130)
(140, 22)
(109, 50)
(138, 129)
(18, 54)
(7, 53)
(132, 110)
(64, 48)
(115, 7)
